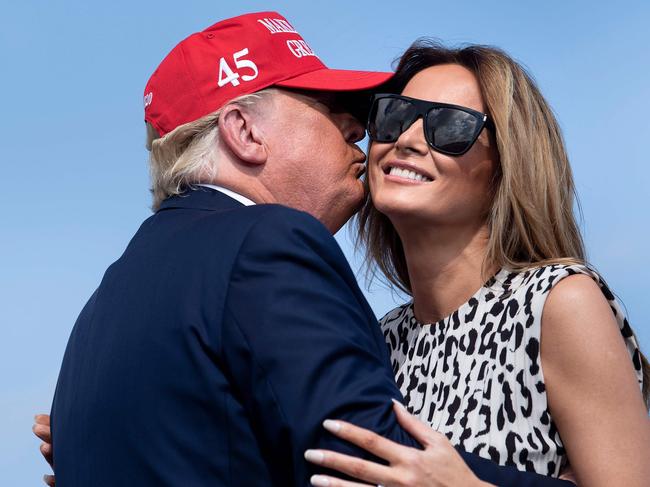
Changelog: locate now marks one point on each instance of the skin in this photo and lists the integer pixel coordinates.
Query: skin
(591, 387)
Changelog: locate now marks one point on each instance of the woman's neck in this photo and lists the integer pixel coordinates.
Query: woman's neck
(445, 266)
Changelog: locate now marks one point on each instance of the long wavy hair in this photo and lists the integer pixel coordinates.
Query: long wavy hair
(531, 221)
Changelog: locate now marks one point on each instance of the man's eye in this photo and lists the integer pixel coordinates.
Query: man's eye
(337, 108)
(332, 105)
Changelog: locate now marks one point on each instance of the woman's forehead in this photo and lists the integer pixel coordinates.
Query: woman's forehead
(446, 83)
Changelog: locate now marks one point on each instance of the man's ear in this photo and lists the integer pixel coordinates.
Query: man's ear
(238, 130)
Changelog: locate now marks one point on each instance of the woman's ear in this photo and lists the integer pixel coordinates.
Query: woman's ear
(239, 131)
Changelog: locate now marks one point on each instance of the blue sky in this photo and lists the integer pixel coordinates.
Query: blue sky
(74, 164)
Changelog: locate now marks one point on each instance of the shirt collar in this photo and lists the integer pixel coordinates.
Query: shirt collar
(228, 192)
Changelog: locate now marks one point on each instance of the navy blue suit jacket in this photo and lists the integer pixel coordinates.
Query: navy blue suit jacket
(214, 348)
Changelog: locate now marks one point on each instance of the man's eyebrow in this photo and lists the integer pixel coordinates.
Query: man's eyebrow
(339, 102)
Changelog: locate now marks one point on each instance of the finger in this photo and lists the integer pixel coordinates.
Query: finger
(570, 477)
(366, 439)
(355, 467)
(326, 481)
(49, 480)
(46, 451)
(419, 430)
(43, 432)
(42, 419)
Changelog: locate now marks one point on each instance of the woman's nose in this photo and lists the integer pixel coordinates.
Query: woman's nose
(412, 139)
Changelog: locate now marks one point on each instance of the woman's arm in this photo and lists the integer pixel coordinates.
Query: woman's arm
(592, 391)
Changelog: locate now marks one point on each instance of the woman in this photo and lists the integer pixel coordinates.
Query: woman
(512, 347)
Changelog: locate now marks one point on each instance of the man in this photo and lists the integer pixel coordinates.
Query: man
(232, 326)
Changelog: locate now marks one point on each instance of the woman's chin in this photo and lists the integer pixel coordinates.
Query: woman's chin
(400, 209)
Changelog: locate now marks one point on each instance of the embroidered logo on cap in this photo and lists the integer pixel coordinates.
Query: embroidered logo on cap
(300, 48)
(277, 26)
(148, 98)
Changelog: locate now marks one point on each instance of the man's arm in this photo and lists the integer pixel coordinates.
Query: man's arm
(301, 345)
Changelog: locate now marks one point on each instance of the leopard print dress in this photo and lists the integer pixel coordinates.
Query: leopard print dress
(476, 376)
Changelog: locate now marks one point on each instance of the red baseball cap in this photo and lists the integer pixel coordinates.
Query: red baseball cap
(236, 57)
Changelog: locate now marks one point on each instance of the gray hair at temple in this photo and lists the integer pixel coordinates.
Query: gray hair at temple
(188, 154)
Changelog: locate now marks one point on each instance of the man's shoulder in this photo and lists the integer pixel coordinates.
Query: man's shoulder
(272, 224)
(238, 224)
(281, 234)
(269, 215)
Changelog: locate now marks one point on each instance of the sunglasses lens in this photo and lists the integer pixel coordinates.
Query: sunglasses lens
(451, 130)
(390, 117)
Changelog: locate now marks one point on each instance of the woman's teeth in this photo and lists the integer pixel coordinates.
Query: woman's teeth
(407, 174)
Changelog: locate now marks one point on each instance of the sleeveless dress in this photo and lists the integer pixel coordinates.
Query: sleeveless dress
(476, 375)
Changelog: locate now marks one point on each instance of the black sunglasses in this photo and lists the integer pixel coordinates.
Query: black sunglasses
(450, 129)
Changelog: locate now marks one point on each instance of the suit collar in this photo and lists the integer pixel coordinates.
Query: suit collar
(229, 192)
(200, 198)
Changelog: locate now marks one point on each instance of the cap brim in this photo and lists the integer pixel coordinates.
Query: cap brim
(337, 80)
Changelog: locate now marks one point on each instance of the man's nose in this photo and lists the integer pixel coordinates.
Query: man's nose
(355, 130)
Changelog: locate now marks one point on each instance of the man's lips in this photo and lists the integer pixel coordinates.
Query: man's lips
(360, 167)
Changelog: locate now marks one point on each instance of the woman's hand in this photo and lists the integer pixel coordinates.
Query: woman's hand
(41, 429)
(439, 464)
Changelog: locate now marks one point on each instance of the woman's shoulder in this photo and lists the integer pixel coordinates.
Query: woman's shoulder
(536, 283)
(581, 310)
(573, 284)
(572, 293)
(565, 286)
(544, 277)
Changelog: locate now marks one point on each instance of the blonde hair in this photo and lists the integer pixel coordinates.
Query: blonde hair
(531, 220)
(188, 154)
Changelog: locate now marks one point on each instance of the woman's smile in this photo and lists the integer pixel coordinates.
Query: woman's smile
(406, 173)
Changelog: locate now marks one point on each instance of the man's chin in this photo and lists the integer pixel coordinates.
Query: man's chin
(345, 214)
(362, 192)
(360, 203)
(357, 197)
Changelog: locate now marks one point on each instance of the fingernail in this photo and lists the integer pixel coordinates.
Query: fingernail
(319, 481)
(333, 426)
(314, 456)
(399, 404)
